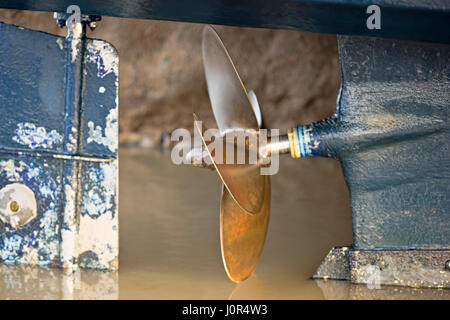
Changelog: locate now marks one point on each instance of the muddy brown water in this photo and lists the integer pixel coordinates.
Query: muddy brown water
(170, 247)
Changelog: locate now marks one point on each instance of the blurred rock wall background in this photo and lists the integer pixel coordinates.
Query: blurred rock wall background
(295, 75)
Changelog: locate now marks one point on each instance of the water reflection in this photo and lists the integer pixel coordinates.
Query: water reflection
(20, 282)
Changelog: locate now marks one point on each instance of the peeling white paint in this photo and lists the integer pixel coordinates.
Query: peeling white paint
(100, 198)
(14, 249)
(68, 231)
(100, 236)
(41, 246)
(11, 247)
(36, 137)
(108, 138)
(93, 230)
(75, 33)
(11, 171)
(98, 230)
(79, 233)
(104, 56)
(71, 145)
(59, 41)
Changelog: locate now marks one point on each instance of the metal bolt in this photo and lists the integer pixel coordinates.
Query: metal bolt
(14, 206)
(447, 265)
(18, 206)
(93, 25)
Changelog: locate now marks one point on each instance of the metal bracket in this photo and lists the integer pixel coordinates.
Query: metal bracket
(410, 268)
(59, 139)
(90, 20)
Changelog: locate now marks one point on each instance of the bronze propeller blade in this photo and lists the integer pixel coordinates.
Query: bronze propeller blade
(245, 203)
(242, 234)
(233, 112)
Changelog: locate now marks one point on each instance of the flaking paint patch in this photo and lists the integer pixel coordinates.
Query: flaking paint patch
(98, 233)
(41, 245)
(104, 56)
(99, 191)
(71, 145)
(99, 236)
(33, 137)
(108, 138)
(74, 37)
(60, 44)
(10, 170)
(68, 230)
(55, 242)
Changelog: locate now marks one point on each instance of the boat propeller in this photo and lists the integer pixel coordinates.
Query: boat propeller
(245, 203)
